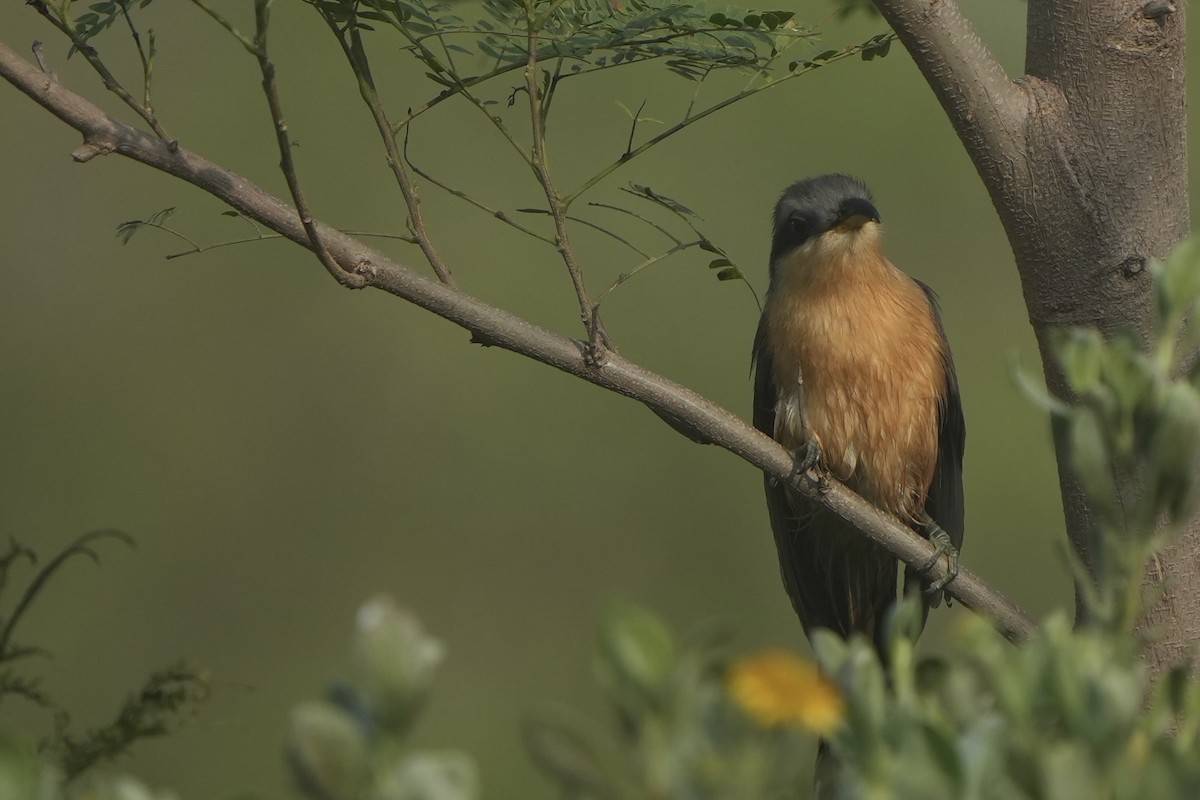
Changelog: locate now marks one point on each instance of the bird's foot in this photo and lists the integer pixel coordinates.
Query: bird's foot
(808, 457)
(943, 547)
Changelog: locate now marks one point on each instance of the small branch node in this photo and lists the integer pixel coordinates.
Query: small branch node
(1157, 9)
(365, 269)
(39, 56)
(484, 339)
(92, 148)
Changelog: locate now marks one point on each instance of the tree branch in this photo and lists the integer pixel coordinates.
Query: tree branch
(986, 108)
(489, 325)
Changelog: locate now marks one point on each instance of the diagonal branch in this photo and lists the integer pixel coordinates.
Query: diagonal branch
(701, 418)
(986, 108)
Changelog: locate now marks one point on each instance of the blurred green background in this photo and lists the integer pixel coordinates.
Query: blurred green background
(283, 449)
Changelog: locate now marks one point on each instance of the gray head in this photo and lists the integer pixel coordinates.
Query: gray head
(813, 206)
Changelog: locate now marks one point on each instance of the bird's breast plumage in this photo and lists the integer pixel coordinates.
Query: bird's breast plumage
(873, 363)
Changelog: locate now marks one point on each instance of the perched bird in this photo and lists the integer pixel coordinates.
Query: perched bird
(852, 368)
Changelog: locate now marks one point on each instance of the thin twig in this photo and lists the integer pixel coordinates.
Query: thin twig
(639, 218)
(92, 56)
(611, 234)
(704, 242)
(637, 115)
(141, 223)
(495, 212)
(551, 86)
(204, 248)
(598, 340)
(77, 548)
(262, 20)
(629, 155)
(651, 261)
(356, 55)
(430, 59)
(147, 57)
(15, 551)
(245, 41)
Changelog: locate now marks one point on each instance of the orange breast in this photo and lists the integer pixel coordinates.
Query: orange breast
(873, 364)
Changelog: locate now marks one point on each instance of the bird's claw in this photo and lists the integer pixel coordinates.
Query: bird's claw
(806, 457)
(943, 547)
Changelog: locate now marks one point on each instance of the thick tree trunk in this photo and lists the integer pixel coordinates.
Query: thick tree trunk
(1107, 159)
(1085, 160)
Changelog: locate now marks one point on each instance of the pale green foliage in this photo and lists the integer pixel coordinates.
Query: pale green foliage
(351, 745)
(1061, 717)
(680, 734)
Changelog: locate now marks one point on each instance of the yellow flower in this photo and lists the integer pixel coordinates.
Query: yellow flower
(775, 687)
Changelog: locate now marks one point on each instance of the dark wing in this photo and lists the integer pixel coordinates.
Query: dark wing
(785, 524)
(764, 382)
(944, 503)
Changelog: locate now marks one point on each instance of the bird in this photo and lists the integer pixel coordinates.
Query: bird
(853, 372)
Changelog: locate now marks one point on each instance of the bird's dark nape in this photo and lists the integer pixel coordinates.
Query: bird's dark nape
(810, 207)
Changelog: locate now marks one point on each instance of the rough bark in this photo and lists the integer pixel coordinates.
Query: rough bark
(1085, 161)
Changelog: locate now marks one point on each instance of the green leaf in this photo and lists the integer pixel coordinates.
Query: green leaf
(20, 769)
(1034, 390)
(438, 79)
(719, 262)
(730, 274)
(327, 752)
(1081, 354)
(397, 659)
(877, 51)
(635, 654)
(567, 753)
(1175, 450)
(426, 775)
(1090, 458)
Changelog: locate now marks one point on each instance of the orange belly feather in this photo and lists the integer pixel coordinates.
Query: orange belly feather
(862, 336)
